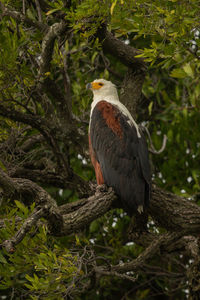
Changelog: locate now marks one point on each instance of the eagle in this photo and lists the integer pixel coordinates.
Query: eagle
(118, 148)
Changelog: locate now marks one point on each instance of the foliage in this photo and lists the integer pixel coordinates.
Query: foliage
(167, 35)
(39, 264)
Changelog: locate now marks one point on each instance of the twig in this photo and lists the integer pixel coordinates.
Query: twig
(138, 263)
(24, 7)
(38, 10)
(66, 78)
(152, 148)
(116, 274)
(10, 244)
(148, 253)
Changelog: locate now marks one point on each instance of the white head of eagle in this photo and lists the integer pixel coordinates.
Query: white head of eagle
(118, 149)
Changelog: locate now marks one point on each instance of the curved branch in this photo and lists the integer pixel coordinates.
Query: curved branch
(152, 148)
(125, 53)
(93, 208)
(139, 265)
(6, 183)
(149, 252)
(24, 188)
(63, 102)
(169, 211)
(22, 18)
(48, 44)
(172, 212)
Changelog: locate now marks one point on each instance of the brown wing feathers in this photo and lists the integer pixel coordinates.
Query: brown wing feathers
(114, 149)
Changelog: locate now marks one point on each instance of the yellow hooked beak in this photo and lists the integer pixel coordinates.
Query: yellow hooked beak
(94, 85)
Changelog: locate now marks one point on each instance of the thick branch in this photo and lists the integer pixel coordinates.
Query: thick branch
(46, 207)
(48, 44)
(35, 121)
(125, 53)
(131, 91)
(174, 213)
(95, 207)
(132, 85)
(28, 190)
(168, 210)
(63, 102)
(6, 183)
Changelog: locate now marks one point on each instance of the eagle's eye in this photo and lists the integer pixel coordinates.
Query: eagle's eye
(101, 84)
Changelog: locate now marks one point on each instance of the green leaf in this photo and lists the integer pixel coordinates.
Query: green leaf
(188, 70)
(22, 207)
(94, 56)
(150, 107)
(52, 11)
(178, 73)
(2, 259)
(113, 6)
(2, 166)
(185, 112)
(29, 278)
(78, 243)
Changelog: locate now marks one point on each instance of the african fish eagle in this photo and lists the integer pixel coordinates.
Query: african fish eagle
(118, 148)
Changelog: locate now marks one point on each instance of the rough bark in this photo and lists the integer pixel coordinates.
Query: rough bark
(125, 53)
(175, 213)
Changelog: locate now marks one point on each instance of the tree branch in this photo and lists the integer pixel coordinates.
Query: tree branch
(101, 272)
(183, 217)
(125, 53)
(28, 190)
(63, 102)
(149, 252)
(10, 244)
(22, 18)
(38, 10)
(174, 213)
(131, 90)
(54, 31)
(6, 183)
(45, 127)
(95, 207)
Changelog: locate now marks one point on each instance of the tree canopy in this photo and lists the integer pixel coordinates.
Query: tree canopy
(61, 235)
